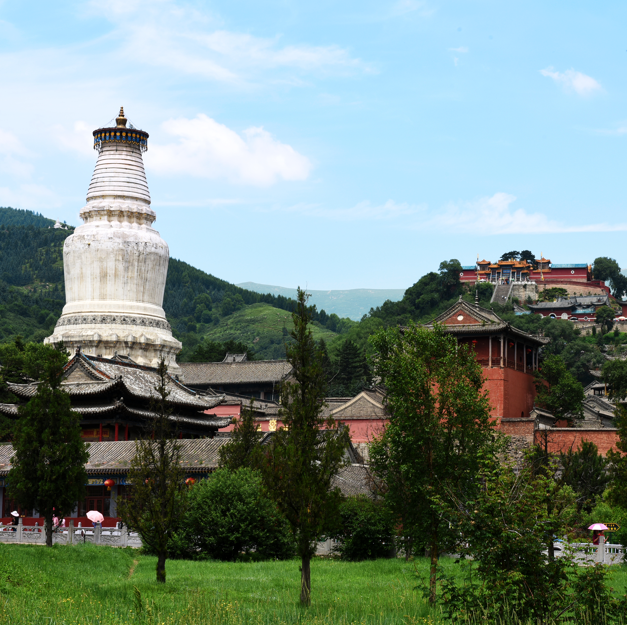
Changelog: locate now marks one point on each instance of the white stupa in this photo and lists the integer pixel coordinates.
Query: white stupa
(116, 263)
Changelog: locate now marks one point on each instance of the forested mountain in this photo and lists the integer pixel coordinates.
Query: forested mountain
(32, 291)
(21, 217)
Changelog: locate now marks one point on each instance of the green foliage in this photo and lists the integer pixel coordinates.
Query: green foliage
(529, 256)
(229, 518)
(607, 512)
(350, 372)
(158, 496)
(439, 429)
(21, 217)
(510, 256)
(305, 455)
(48, 472)
(214, 351)
(552, 294)
(558, 391)
(585, 471)
(243, 449)
(366, 530)
(506, 526)
(607, 269)
(605, 316)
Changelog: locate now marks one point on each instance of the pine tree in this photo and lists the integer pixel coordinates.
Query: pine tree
(158, 496)
(48, 472)
(244, 449)
(307, 453)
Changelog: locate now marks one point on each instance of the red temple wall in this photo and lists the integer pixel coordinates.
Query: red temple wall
(511, 393)
(563, 439)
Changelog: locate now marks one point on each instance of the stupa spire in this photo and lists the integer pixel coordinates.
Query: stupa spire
(120, 120)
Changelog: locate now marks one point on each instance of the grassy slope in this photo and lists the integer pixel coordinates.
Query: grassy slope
(261, 326)
(94, 585)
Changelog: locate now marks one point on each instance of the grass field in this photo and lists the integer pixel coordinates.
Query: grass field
(91, 585)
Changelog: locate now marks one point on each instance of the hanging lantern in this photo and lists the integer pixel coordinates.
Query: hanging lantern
(109, 483)
(474, 342)
(511, 344)
(190, 481)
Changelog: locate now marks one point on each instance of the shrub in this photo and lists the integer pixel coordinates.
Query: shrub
(366, 530)
(229, 518)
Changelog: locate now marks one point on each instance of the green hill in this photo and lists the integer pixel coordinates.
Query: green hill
(263, 327)
(21, 217)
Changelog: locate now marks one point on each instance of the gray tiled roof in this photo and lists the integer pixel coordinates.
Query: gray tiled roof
(198, 455)
(92, 376)
(488, 322)
(365, 405)
(220, 373)
(353, 480)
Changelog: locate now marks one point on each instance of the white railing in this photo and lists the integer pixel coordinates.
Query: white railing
(587, 553)
(35, 535)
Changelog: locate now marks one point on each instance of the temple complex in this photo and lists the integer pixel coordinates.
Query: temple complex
(116, 264)
(523, 271)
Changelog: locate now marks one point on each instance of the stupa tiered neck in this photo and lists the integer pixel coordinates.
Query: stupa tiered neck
(116, 264)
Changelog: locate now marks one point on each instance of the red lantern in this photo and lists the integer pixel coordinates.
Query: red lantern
(109, 483)
(190, 481)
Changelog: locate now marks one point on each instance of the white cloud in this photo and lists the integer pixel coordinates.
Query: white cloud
(461, 50)
(573, 81)
(79, 139)
(494, 216)
(207, 149)
(164, 33)
(11, 145)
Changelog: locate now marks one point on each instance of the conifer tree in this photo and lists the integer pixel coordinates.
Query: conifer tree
(307, 452)
(158, 496)
(48, 472)
(244, 449)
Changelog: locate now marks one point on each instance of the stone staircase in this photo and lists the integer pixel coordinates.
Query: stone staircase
(501, 293)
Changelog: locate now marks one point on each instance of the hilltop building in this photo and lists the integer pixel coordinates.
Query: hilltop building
(524, 271)
(116, 263)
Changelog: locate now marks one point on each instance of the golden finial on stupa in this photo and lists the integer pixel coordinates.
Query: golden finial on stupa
(121, 120)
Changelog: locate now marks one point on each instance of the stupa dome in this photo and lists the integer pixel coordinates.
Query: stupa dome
(116, 264)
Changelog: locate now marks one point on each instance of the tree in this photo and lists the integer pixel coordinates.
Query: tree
(558, 391)
(552, 294)
(48, 472)
(439, 428)
(585, 471)
(505, 527)
(615, 376)
(605, 268)
(213, 351)
(230, 518)
(450, 281)
(510, 256)
(605, 316)
(529, 256)
(353, 372)
(244, 449)
(158, 496)
(308, 451)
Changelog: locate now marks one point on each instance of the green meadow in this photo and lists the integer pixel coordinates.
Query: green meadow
(91, 585)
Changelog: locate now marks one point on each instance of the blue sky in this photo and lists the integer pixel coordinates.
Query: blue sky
(331, 144)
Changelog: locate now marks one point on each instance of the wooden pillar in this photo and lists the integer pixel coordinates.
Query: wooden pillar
(116, 431)
(100, 434)
(502, 361)
(515, 355)
(490, 347)
(126, 432)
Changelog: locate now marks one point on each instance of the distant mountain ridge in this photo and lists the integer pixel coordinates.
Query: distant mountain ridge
(351, 303)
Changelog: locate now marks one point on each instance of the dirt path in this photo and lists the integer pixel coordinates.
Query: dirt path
(132, 569)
